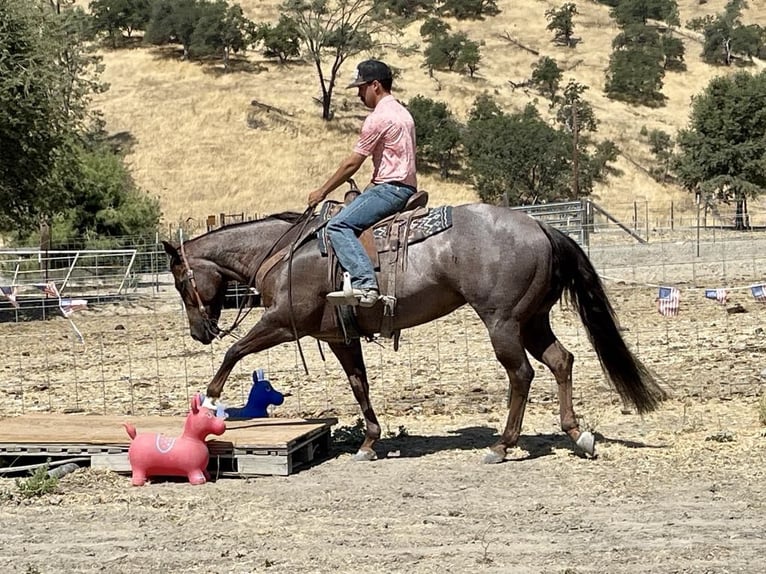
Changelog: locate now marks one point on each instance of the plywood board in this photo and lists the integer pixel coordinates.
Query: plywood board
(247, 448)
(53, 429)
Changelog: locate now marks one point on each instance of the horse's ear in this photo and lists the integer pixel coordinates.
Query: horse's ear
(171, 251)
(196, 401)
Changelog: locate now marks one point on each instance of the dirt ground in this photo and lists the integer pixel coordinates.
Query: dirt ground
(679, 490)
(669, 492)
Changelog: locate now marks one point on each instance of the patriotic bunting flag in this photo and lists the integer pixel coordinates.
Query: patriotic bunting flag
(720, 295)
(759, 292)
(668, 301)
(67, 306)
(9, 292)
(48, 288)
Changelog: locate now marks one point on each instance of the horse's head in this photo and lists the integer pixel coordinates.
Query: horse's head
(203, 289)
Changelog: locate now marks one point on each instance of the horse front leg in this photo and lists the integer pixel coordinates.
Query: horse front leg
(351, 359)
(264, 335)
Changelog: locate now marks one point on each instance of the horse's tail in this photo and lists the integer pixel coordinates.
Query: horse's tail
(130, 429)
(574, 274)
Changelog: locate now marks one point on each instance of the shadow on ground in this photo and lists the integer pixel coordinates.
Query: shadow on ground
(478, 438)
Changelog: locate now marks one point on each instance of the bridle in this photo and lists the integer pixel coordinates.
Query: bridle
(211, 325)
(189, 275)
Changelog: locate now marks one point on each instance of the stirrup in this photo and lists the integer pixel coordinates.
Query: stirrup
(346, 296)
(353, 296)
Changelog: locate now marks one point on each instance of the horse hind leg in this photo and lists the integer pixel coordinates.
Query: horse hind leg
(505, 336)
(352, 360)
(543, 345)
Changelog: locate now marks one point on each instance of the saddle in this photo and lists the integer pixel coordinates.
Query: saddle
(386, 243)
(375, 240)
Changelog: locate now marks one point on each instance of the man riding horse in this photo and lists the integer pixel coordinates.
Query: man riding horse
(512, 289)
(388, 135)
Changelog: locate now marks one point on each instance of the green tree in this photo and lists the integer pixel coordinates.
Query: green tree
(119, 18)
(106, 206)
(434, 27)
(573, 109)
(332, 31)
(628, 12)
(438, 133)
(546, 77)
(561, 23)
(220, 31)
(521, 159)
(722, 155)
(598, 165)
(469, 57)
(174, 21)
(517, 158)
(668, 50)
(282, 41)
(46, 80)
(409, 9)
(673, 51)
(661, 145)
(635, 76)
(637, 36)
(727, 38)
(576, 117)
(48, 134)
(468, 9)
(641, 53)
(454, 52)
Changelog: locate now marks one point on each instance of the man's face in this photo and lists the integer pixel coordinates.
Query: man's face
(367, 93)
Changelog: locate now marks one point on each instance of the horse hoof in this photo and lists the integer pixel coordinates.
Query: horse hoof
(587, 443)
(492, 457)
(364, 455)
(210, 403)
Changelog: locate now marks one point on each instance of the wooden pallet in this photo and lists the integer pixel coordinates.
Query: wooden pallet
(270, 446)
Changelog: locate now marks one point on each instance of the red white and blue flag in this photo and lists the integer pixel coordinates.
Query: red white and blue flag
(69, 306)
(759, 292)
(720, 295)
(668, 301)
(48, 288)
(9, 292)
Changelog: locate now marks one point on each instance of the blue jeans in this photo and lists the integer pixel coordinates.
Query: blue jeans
(374, 204)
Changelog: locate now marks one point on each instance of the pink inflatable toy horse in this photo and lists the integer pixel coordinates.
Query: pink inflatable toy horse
(158, 455)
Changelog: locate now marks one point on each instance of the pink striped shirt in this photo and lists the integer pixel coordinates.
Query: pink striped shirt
(388, 135)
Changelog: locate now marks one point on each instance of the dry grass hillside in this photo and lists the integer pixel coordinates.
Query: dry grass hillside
(196, 151)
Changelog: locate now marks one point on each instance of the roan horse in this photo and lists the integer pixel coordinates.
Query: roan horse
(510, 268)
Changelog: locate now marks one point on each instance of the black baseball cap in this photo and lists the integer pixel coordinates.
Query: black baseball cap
(369, 71)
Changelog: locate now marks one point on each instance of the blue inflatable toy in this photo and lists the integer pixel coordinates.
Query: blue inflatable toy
(262, 394)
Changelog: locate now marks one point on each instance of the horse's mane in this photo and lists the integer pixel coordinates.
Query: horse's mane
(287, 216)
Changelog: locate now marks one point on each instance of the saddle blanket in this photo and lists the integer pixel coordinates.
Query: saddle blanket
(435, 220)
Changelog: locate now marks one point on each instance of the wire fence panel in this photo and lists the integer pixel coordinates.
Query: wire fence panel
(138, 358)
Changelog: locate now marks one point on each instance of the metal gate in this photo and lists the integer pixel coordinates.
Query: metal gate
(571, 217)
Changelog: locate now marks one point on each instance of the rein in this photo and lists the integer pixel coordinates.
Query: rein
(303, 221)
(254, 290)
(189, 276)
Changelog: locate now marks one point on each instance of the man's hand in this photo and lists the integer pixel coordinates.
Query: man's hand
(346, 169)
(315, 197)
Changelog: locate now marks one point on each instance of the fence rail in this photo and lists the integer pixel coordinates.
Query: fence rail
(137, 355)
